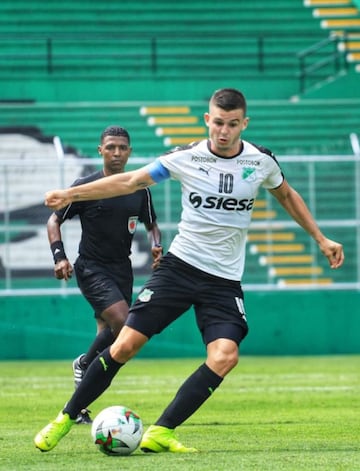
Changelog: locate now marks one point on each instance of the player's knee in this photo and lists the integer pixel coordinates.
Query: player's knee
(122, 351)
(125, 347)
(223, 361)
(231, 359)
(117, 326)
(116, 321)
(127, 344)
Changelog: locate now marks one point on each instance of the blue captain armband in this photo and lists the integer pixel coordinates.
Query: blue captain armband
(157, 171)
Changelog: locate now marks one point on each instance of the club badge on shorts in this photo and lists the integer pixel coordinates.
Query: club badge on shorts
(145, 295)
(132, 223)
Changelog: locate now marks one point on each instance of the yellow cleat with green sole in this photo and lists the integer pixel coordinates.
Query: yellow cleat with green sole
(158, 439)
(49, 436)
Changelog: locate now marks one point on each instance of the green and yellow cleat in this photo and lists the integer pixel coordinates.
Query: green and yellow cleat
(49, 436)
(158, 439)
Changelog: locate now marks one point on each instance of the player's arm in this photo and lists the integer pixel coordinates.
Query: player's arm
(62, 268)
(108, 187)
(294, 204)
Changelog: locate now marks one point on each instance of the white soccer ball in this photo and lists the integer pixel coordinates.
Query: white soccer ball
(117, 431)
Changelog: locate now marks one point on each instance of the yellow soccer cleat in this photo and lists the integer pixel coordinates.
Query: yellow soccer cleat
(49, 436)
(158, 439)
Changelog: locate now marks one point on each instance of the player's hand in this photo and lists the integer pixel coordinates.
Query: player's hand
(63, 270)
(333, 251)
(157, 252)
(57, 199)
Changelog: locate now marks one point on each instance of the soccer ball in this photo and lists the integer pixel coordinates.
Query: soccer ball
(117, 431)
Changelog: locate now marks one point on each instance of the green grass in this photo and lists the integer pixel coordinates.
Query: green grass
(270, 413)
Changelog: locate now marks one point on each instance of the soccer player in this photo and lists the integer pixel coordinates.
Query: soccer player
(103, 268)
(220, 178)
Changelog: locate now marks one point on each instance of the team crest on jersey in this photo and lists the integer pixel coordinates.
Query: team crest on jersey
(132, 223)
(145, 296)
(247, 172)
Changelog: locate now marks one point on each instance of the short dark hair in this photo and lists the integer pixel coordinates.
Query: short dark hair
(228, 99)
(115, 131)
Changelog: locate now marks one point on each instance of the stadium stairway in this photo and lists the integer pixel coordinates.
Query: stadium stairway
(283, 253)
(342, 19)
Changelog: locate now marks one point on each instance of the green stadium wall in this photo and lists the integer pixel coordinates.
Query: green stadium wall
(281, 323)
(256, 88)
(141, 89)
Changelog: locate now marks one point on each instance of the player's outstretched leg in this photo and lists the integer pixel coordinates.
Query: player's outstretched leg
(50, 435)
(190, 396)
(98, 377)
(158, 439)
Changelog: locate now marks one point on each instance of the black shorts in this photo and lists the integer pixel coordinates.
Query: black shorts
(174, 287)
(104, 284)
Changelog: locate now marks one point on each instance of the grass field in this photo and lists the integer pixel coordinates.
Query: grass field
(271, 413)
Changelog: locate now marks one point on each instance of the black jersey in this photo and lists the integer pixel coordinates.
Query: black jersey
(108, 225)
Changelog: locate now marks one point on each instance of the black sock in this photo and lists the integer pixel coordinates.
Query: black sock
(97, 378)
(104, 339)
(191, 395)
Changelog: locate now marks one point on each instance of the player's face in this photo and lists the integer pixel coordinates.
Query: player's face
(115, 151)
(225, 130)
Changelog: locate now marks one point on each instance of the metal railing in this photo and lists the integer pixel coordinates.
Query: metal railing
(132, 55)
(321, 62)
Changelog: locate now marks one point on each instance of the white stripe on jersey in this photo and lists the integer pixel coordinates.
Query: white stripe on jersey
(218, 196)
